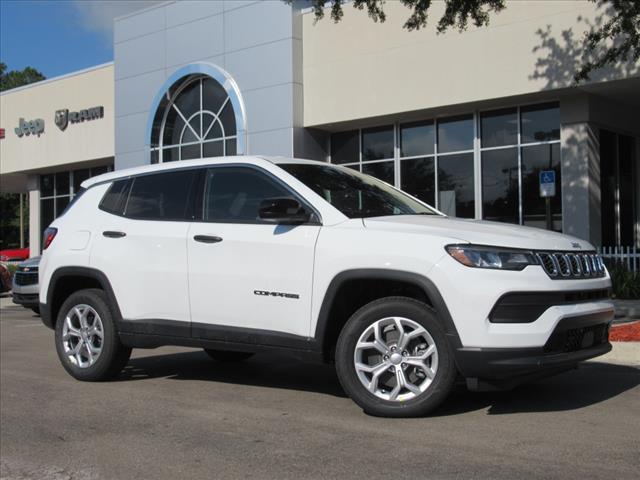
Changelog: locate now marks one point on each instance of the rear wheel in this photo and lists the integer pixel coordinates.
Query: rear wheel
(228, 355)
(86, 338)
(393, 358)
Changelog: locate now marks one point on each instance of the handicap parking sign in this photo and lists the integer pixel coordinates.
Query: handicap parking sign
(548, 183)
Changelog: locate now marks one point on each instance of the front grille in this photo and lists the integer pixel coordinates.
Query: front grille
(569, 265)
(576, 339)
(24, 278)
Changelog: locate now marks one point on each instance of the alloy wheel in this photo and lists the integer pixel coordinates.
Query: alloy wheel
(396, 359)
(82, 335)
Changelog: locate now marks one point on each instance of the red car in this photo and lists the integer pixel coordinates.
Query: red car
(14, 254)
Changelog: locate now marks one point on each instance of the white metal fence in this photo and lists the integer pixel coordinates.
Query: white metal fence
(627, 256)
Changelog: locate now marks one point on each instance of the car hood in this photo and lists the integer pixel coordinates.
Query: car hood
(478, 232)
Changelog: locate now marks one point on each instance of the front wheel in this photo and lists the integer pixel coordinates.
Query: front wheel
(393, 359)
(86, 338)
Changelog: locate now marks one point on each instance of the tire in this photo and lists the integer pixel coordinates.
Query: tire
(35, 310)
(228, 356)
(426, 345)
(112, 355)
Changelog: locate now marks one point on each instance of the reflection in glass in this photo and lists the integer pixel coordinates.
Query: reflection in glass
(382, 170)
(200, 112)
(418, 178)
(500, 185)
(499, 127)
(212, 149)
(61, 204)
(47, 214)
(455, 185)
(417, 139)
(535, 159)
(540, 123)
(377, 143)
(62, 183)
(190, 152)
(345, 147)
(46, 185)
(455, 134)
(80, 176)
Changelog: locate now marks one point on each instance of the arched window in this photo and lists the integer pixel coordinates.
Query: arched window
(195, 118)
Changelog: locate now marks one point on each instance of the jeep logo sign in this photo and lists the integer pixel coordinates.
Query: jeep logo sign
(63, 117)
(29, 127)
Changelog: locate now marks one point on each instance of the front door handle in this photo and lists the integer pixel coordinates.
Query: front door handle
(207, 239)
(113, 234)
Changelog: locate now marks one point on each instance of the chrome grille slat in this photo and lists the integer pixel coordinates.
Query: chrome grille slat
(571, 265)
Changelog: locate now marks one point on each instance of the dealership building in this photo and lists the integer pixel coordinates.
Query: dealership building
(484, 124)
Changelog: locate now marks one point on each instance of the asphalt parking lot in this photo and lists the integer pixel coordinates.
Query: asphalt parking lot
(174, 413)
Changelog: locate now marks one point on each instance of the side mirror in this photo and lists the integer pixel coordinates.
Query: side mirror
(283, 210)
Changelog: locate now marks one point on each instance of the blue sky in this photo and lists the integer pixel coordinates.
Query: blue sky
(59, 36)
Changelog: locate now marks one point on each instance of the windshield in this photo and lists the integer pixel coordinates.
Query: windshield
(354, 194)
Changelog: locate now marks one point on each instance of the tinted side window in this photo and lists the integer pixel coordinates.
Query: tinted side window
(116, 197)
(233, 194)
(161, 196)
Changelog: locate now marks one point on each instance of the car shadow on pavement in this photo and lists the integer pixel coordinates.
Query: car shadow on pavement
(263, 370)
(591, 383)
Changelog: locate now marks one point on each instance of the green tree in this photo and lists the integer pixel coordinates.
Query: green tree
(16, 78)
(10, 202)
(619, 35)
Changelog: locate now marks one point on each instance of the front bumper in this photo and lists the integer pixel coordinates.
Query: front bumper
(573, 340)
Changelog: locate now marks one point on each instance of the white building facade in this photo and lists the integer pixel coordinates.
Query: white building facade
(468, 122)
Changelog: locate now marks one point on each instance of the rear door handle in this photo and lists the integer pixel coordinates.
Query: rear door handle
(113, 234)
(207, 239)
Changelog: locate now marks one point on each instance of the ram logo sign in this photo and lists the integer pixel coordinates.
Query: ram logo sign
(64, 117)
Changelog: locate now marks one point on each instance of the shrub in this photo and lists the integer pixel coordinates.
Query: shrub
(626, 284)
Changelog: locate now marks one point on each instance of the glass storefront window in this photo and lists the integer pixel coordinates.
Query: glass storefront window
(540, 123)
(535, 159)
(455, 134)
(499, 127)
(377, 143)
(437, 160)
(345, 147)
(58, 189)
(382, 170)
(455, 185)
(500, 191)
(417, 139)
(46, 185)
(418, 178)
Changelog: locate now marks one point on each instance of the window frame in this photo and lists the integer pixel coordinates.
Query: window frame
(195, 207)
(157, 151)
(316, 218)
(476, 150)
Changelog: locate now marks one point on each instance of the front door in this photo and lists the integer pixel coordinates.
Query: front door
(245, 273)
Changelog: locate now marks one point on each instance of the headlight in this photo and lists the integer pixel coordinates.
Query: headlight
(492, 257)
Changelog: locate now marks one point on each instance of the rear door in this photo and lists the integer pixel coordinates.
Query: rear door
(141, 247)
(245, 273)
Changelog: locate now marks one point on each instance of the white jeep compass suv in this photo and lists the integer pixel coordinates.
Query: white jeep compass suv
(240, 255)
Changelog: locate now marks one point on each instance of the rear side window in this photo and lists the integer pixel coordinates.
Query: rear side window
(161, 196)
(116, 197)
